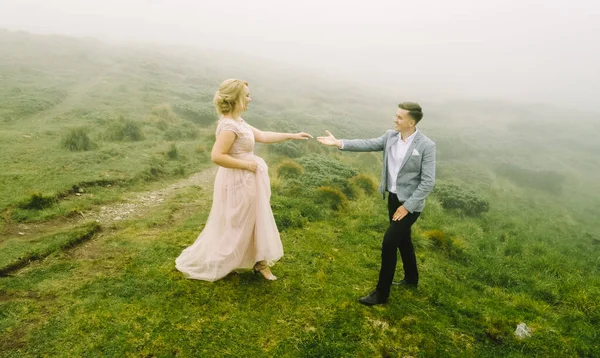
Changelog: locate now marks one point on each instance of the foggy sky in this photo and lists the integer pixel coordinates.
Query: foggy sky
(525, 50)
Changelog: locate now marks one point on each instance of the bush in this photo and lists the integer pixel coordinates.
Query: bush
(458, 247)
(294, 212)
(352, 192)
(437, 237)
(200, 149)
(179, 132)
(124, 130)
(173, 153)
(163, 111)
(454, 247)
(324, 171)
(289, 169)
(286, 215)
(162, 125)
(453, 197)
(331, 197)
(179, 171)
(287, 149)
(288, 219)
(364, 182)
(155, 169)
(77, 140)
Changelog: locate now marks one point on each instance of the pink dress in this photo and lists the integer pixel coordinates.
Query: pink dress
(241, 229)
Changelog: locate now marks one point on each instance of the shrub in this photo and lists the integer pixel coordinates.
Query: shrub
(173, 153)
(208, 140)
(154, 170)
(276, 184)
(454, 247)
(352, 191)
(324, 171)
(438, 238)
(202, 153)
(179, 171)
(162, 125)
(287, 149)
(365, 182)
(286, 215)
(77, 140)
(288, 219)
(182, 131)
(331, 197)
(457, 248)
(454, 197)
(124, 130)
(289, 169)
(306, 206)
(163, 111)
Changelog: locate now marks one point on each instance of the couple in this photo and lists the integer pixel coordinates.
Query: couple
(241, 232)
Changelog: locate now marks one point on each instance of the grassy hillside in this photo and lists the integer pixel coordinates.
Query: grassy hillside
(508, 236)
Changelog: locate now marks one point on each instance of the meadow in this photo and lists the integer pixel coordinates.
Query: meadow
(509, 235)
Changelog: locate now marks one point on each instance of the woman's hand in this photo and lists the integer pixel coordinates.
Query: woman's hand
(251, 165)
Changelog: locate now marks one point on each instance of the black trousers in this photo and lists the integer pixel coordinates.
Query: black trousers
(397, 236)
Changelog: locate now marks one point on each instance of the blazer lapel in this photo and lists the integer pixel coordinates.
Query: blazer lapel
(410, 149)
(391, 141)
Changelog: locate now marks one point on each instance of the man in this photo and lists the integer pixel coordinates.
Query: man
(408, 176)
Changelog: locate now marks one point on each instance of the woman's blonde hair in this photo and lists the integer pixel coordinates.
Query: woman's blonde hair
(230, 97)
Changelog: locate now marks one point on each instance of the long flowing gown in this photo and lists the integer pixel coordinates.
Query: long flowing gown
(240, 229)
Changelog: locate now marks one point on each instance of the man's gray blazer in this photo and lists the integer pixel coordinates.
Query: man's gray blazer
(417, 172)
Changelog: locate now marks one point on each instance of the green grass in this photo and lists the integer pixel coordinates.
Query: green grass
(121, 295)
(18, 252)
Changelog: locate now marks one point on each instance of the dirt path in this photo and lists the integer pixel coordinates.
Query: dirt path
(135, 204)
(140, 203)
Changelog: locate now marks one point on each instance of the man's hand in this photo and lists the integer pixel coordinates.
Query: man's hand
(400, 213)
(330, 140)
(301, 135)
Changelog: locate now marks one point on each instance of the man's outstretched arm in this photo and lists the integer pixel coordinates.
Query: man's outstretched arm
(354, 145)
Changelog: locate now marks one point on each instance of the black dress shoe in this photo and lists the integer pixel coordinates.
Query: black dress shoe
(374, 298)
(404, 283)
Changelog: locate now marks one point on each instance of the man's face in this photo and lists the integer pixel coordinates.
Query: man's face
(403, 121)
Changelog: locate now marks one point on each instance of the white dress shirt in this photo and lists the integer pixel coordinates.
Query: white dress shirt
(395, 157)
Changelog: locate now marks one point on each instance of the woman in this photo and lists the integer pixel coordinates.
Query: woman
(240, 232)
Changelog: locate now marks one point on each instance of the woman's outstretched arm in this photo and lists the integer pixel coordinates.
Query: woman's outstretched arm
(275, 137)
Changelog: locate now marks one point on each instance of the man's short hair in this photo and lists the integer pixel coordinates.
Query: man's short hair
(414, 110)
